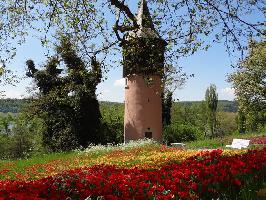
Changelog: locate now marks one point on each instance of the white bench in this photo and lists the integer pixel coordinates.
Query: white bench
(178, 145)
(239, 144)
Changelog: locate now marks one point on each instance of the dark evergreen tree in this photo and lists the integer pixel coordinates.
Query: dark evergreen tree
(167, 101)
(211, 99)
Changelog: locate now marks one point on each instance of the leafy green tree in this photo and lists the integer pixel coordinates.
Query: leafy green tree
(24, 138)
(193, 113)
(211, 99)
(12, 105)
(250, 86)
(67, 104)
(167, 101)
(176, 132)
(100, 26)
(241, 121)
(7, 77)
(5, 123)
(227, 123)
(113, 122)
(82, 86)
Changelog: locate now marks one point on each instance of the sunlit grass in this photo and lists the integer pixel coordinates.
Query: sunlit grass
(220, 142)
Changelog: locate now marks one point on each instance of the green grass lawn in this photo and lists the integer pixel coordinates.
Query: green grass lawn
(220, 142)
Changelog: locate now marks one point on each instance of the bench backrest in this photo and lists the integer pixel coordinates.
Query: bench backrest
(240, 143)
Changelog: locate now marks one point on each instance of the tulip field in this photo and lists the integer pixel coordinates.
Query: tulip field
(145, 170)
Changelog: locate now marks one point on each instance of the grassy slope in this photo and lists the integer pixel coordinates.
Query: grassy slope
(220, 142)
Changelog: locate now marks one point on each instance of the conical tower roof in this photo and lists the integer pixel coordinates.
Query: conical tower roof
(144, 17)
(144, 20)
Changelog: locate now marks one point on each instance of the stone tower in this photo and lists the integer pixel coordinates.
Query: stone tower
(143, 66)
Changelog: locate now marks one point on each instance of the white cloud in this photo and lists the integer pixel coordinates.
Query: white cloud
(105, 91)
(102, 94)
(119, 82)
(227, 93)
(14, 94)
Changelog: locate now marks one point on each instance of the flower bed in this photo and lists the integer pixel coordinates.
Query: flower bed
(208, 175)
(148, 156)
(258, 140)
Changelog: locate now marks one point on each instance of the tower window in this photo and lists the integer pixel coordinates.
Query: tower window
(126, 83)
(148, 135)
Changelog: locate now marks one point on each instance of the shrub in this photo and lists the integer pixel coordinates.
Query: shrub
(112, 123)
(181, 133)
(5, 144)
(23, 140)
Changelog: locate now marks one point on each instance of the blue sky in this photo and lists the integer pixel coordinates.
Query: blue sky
(209, 67)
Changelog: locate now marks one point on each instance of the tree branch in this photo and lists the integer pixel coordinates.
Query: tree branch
(121, 6)
(253, 26)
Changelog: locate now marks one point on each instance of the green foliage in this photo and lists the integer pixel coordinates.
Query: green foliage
(12, 105)
(227, 123)
(143, 56)
(221, 142)
(190, 113)
(241, 121)
(211, 100)
(223, 105)
(24, 138)
(167, 102)
(17, 105)
(181, 133)
(67, 104)
(94, 21)
(6, 75)
(113, 122)
(249, 84)
(5, 123)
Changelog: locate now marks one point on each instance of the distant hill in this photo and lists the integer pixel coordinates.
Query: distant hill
(15, 105)
(223, 105)
(12, 105)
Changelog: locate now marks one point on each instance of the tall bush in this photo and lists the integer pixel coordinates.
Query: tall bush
(68, 104)
(113, 123)
(24, 138)
(181, 133)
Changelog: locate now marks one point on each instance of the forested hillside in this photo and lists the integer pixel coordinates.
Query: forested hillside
(12, 105)
(15, 105)
(223, 105)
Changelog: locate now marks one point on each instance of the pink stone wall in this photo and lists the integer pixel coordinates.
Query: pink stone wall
(143, 108)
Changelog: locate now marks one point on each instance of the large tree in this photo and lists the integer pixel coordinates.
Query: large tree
(100, 26)
(249, 82)
(67, 102)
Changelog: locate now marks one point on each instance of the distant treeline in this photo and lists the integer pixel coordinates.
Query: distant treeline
(223, 105)
(12, 105)
(16, 105)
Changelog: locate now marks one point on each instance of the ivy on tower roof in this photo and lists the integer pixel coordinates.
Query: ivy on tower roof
(146, 26)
